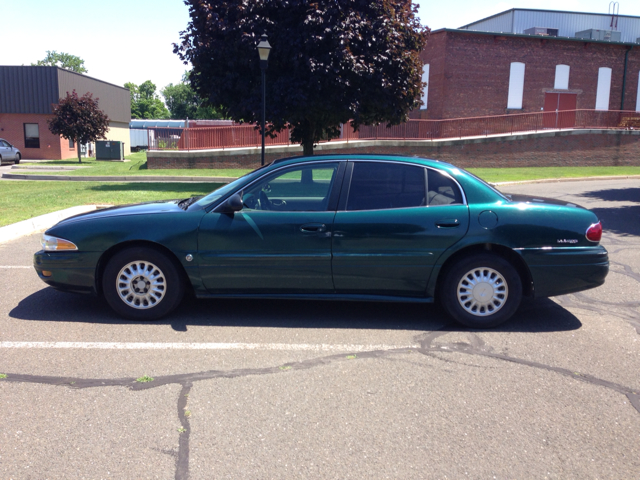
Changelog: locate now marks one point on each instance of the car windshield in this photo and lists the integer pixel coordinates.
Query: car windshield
(229, 187)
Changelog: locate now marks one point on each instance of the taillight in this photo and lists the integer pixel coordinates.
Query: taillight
(594, 232)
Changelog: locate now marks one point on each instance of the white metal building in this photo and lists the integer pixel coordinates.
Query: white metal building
(522, 20)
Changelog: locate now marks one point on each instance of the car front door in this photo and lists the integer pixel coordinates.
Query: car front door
(393, 222)
(280, 242)
(5, 151)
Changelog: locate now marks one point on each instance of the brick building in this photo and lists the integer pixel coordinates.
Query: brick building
(523, 61)
(26, 98)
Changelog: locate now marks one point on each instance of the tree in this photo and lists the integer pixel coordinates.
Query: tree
(183, 102)
(145, 103)
(62, 60)
(331, 62)
(79, 119)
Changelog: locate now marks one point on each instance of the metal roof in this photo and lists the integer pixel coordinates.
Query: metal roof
(523, 35)
(33, 89)
(517, 20)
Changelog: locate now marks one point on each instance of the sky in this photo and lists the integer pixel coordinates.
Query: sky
(131, 40)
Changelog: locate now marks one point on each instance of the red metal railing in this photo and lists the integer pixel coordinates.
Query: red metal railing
(236, 136)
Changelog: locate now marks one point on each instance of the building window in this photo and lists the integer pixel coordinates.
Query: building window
(425, 91)
(638, 95)
(562, 77)
(516, 86)
(71, 144)
(31, 135)
(604, 88)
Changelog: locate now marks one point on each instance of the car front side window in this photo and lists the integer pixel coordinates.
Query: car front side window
(303, 188)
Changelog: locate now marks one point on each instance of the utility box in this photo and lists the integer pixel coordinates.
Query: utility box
(595, 34)
(109, 150)
(542, 31)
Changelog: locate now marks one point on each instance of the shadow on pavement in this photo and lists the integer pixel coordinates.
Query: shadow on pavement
(620, 219)
(541, 315)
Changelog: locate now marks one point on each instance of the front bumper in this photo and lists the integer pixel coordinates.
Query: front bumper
(562, 270)
(69, 271)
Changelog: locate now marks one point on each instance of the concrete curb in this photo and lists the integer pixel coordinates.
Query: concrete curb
(131, 179)
(37, 224)
(567, 179)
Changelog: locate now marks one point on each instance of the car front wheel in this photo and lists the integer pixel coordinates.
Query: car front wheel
(142, 284)
(18, 157)
(481, 291)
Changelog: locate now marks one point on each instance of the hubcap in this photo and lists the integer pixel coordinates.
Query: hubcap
(482, 291)
(141, 285)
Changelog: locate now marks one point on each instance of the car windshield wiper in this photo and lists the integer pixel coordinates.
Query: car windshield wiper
(184, 204)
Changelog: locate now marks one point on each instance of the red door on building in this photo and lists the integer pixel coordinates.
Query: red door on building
(555, 110)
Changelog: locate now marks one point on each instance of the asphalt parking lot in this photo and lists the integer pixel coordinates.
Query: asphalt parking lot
(275, 389)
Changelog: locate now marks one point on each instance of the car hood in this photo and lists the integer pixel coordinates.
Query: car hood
(539, 200)
(148, 208)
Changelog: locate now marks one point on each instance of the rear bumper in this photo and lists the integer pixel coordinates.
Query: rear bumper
(562, 270)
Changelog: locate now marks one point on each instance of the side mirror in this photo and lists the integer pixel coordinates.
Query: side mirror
(232, 204)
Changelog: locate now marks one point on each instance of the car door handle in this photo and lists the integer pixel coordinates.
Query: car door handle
(313, 228)
(447, 223)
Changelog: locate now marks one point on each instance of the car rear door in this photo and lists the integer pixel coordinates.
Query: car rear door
(393, 222)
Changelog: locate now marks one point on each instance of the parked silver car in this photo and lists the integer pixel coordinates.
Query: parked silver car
(8, 152)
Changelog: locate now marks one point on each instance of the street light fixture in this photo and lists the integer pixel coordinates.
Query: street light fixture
(263, 50)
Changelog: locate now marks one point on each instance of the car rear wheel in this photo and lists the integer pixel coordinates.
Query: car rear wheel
(481, 291)
(142, 284)
(18, 157)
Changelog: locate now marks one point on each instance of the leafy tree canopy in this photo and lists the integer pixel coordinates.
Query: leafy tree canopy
(79, 119)
(183, 102)
(62, 60)
(331, 61)
(145, 103)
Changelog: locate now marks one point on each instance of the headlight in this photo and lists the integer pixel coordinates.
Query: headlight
(55, 244)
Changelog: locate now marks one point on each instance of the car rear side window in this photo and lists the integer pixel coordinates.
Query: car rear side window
(378, 185)
(442, 190)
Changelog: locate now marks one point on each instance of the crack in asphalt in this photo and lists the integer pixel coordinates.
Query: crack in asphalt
(475, 346)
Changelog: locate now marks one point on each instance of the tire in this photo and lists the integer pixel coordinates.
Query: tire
(18, 157)
(142, 284)
(481, 291)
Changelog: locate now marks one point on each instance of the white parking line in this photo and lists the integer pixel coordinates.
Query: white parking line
(324, 347)
(15, 266)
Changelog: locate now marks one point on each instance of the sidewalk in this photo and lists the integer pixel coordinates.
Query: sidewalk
(41, 223)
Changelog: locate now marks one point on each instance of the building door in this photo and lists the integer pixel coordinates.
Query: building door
(559, 110)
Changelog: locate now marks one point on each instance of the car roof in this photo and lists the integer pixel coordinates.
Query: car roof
(367, 156)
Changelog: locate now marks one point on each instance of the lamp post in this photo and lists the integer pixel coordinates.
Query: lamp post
(263, 50)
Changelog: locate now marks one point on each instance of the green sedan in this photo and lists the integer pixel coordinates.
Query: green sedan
(334, 227)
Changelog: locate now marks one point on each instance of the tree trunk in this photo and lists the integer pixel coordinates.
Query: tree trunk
(308, 137)
(79, 151)
(307, 147)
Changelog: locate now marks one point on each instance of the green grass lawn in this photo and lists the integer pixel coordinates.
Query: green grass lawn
(138, 166)
(21, 200)
(495, 175)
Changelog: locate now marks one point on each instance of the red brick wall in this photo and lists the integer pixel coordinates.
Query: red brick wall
(568, 148)
(469, 72)
(52, 147)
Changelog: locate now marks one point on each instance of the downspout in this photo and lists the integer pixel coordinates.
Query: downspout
(624, 76)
